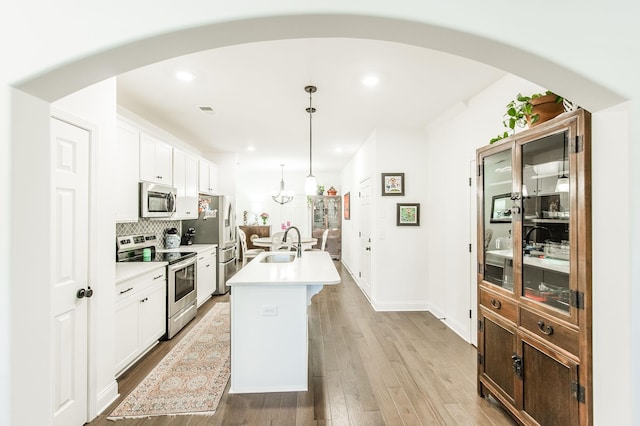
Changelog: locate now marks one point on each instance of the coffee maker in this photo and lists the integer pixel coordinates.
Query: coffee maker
(187, 237)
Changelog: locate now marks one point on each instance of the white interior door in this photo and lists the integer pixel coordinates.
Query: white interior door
(365, 236)
(473, 255)
(70, 272)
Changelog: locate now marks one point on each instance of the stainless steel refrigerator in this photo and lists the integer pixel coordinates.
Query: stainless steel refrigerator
(216, 224)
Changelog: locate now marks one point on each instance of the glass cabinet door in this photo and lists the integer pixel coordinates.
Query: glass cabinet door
(546, 236)
(497, 223)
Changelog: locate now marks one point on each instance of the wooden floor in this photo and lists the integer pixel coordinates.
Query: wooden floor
(365, 368)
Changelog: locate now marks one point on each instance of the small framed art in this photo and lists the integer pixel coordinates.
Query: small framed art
(347, 207)
(392, 184)
(408, 214)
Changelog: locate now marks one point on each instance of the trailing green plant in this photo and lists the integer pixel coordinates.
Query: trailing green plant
(517, 112)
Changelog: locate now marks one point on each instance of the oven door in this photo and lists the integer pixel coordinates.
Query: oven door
(181, 279)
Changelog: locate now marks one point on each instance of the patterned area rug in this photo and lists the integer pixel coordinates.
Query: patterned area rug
(191, 378)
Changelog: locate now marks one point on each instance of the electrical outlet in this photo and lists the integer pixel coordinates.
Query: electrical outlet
(269, 310)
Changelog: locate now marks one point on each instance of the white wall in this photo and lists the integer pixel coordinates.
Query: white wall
(30, 295)
(451, 146)
(254, 190)
(397, 255)
(361, 167)
(96, 106)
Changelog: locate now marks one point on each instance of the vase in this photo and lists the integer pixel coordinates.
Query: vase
(264, 220)
(546, 108)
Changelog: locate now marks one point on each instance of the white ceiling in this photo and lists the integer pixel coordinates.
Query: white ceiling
(257, 92)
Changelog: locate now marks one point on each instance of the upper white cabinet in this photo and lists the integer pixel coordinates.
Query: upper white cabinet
(126, 193)
(155, 160)
(185, 180)
(208, 177)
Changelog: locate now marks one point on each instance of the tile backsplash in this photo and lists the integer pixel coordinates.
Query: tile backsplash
(147, 226)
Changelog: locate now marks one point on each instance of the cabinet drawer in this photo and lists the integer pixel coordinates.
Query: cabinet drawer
(550, 330)
(140, 283)
(499, 304)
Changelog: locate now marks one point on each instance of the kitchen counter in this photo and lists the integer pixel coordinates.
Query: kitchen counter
(557, 265)
(269, 301)
(198, 248)
(127, 270)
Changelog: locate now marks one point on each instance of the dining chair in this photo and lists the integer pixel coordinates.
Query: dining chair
(277, 244)
(247, 254)
(323, 244)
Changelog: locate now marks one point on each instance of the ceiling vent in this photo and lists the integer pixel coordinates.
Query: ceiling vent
(207, 109)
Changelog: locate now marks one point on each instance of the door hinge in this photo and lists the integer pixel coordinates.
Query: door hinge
(470, 313)
(469, 181)
(577, 145)
(576, 299)
(480, 359)
(480, 324)
(578, 392)
(359, 274)
(480, 168)
(480, 270)
(517, 364)
(469, 247)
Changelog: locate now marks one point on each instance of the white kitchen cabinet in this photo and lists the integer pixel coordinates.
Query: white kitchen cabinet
(140, 316)
(155, 160)
(206, 275)
(185, 180)
(128, 140)
(208, 177)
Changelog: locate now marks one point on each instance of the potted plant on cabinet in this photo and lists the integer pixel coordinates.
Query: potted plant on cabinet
(530, 111)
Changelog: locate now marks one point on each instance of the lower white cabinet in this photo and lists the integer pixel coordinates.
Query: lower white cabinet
(206, 284)
(140, 316)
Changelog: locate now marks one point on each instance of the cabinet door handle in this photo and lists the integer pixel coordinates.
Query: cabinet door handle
(124, 291)
(159, 177)
(496, 303)
(545, 329)
(159, 276)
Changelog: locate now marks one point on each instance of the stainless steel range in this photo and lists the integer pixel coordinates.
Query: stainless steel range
(181, 276)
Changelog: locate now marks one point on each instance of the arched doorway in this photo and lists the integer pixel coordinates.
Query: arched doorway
(85, 71)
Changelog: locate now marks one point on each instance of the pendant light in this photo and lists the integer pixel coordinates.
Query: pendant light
(310, 184)
(282, 197)
(562, 185)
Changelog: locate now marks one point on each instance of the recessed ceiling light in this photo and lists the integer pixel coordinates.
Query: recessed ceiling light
(184, 76)
(338, 150)
(370, 80)
(251, 148)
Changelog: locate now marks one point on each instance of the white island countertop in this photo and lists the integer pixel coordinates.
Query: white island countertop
(269, 330)
(312, 268)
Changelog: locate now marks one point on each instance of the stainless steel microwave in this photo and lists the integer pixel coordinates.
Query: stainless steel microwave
(157, 200)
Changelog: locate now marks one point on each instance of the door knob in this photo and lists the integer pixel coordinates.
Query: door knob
(367, 248)
(88, 292)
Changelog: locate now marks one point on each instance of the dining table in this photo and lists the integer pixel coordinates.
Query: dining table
(267, 242)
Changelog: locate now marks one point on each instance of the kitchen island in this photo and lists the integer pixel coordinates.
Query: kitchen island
(269, 301)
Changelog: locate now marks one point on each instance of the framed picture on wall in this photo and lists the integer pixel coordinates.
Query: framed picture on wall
(346, 204)
(392, 184)
(408, 214)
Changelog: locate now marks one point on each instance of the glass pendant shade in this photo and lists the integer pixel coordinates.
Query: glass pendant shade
(310, 185)
(563, 184)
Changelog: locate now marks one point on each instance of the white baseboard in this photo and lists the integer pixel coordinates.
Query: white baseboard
(400, 305)
(107, 396)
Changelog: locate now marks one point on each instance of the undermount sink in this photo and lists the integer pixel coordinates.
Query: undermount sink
(278, 258)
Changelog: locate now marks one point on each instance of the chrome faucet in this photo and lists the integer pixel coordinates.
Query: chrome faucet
(299, 246)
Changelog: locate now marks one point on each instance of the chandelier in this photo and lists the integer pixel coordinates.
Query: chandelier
(282, 197)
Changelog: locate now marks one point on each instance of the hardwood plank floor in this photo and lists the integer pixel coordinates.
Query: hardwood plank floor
(365, 368)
